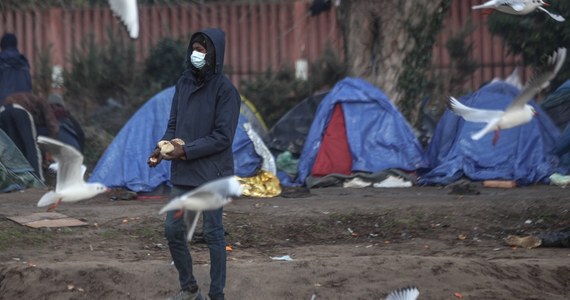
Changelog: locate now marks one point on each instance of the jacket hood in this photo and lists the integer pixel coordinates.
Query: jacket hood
(218, 38)
(13, 59)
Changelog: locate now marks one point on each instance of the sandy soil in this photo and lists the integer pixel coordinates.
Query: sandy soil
(345, 244)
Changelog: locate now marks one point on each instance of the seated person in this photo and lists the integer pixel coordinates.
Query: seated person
(70, 131)
(23, 117)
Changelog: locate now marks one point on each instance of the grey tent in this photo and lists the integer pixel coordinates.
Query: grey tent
(16, 173)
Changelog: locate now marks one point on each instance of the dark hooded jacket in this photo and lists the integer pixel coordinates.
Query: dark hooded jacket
(14, 73)
(204, 115)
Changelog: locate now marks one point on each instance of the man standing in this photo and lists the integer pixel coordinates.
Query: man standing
(204, 115)
(14, 68)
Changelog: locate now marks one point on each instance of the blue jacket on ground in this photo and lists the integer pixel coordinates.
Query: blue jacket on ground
(205, 116)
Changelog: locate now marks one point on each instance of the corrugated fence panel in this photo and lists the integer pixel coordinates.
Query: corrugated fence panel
(489, 51)
(259, 36)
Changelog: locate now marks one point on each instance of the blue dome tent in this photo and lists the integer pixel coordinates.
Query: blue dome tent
(522, 153)
(374, 134)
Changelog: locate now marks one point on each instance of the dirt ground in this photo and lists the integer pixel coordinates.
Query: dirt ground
(345, 244)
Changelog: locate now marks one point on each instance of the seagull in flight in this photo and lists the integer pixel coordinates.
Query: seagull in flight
(519, 111)
(70, 185)
(209, 196)
(518, 7)
(407, 293)
(127, 11)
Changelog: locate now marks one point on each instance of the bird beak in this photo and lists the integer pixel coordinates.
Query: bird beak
(536, 113)
(545, 4)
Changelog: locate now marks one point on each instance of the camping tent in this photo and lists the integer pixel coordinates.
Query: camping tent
(557, 105)
(249, 111)
(521, 153)
(16, 173)
(290, 132)
(357, 129)
(124, 162)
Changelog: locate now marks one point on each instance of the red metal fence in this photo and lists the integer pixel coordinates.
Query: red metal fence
(489, 51)
(258, 35)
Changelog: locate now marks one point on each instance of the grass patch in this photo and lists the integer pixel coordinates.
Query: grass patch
(15, 237)
(111, 234)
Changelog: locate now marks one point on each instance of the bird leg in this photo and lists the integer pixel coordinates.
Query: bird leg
(53, 206)
(178, 214)
(193, 227)
(496, 137)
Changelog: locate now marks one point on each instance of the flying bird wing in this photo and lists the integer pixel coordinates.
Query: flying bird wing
(473, 114)
(209, 196)
(488, 4)
(194, 201)
(55, 167)
(69, 160)
(407, 293)
(127, 11)
(556, 17)
(515, 78)
(225, 186)
(174, 204)
(540, 81)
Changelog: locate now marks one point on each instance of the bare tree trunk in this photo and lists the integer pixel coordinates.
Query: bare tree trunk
(380, 36)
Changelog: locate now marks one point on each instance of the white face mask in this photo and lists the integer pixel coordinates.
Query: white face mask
(198, 59)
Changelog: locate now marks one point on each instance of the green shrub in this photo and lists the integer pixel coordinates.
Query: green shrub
(99, 74)
(535, 36)
(165, 63)
(275, 93)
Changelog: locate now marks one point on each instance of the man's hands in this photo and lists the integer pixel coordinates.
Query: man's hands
(155, 158)
(168, 150)
(176, 151)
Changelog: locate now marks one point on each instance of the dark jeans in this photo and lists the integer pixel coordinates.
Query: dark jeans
(213, 229)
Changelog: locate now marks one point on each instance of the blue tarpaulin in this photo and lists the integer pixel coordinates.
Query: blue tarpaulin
(123, 165)
(522, 153)
(378, 136)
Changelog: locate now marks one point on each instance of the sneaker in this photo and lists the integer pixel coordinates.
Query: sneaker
(187, 295)
(208, 298)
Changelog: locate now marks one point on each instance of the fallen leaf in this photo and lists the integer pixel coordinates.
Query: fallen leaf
(461, 237)
(458, 295)
(229, 248)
